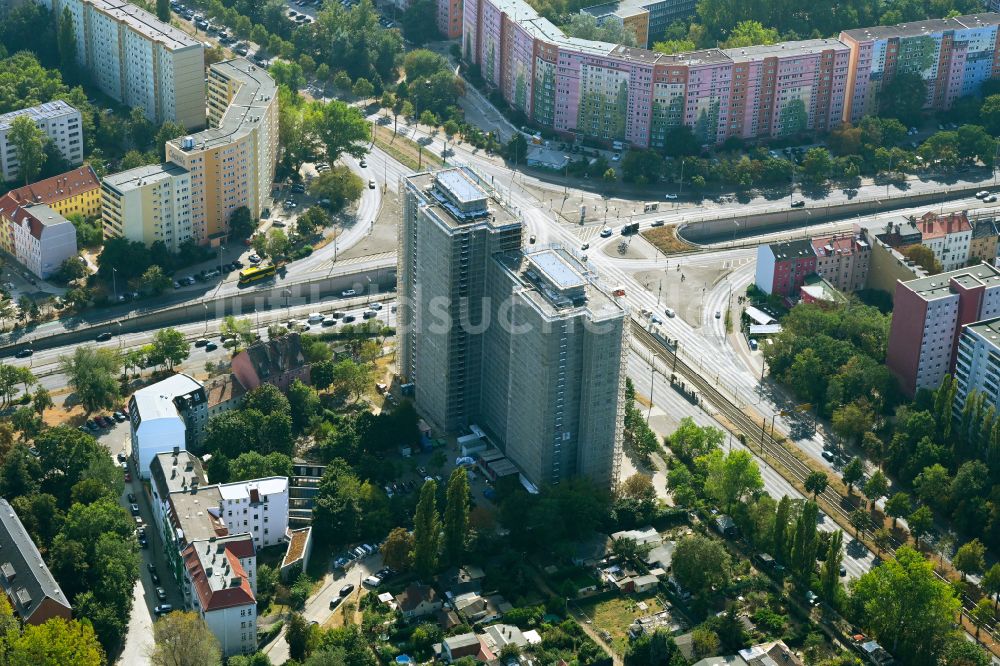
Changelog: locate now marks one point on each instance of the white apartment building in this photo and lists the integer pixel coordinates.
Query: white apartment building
(259, 507)
(148, 204)
(61, 124)
(164, 417)
(138, 60)
(948, 237)
(43, 239)
(977, 364)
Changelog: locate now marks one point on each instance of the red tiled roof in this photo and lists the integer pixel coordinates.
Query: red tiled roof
(242, 548)
(57, 188)
(933, 225)
(226, 597)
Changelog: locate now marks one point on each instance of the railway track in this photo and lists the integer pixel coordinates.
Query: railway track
(760, 442)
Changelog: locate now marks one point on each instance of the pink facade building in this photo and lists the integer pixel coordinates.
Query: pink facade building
(843, 261)
(927, 320)
(782, 267)
(615, 93)
(449, 18)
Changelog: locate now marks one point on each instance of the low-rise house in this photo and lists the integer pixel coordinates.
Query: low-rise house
(224, 394)
(459, 580)
(642, 536)
(32, 591)
(166, 416)
(498, 636)
(775, 653)
(476, 609)
(782, 267)
(417, 601)
(948, 237)
(279, 362)
(462, 645)
(644, 583)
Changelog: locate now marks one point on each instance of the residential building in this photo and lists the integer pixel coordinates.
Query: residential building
(223, 394)
(953, 56)
(277, 361)
(977, 364)
(76, 192)
(166, 416)
(948, 237)
(928, 316)
(984, 245)
(148, 204)
(212, 534)
(33, 593)
(598, 90)
(136, 59)
(60, 123)
(498, 636)
(449, 18)
(417, 601)
(550, 394)
(843, 261)
(782, 267)
(646, 19)
(37, 236)
(462, 645)
(232, 162)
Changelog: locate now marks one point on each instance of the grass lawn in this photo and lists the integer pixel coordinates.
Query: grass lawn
(405, 150)
(615, 615)
(666, 240)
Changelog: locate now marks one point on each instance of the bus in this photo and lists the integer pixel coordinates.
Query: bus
(255, 274)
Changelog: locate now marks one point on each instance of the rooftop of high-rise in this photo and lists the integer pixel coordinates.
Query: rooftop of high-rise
(458, 197)
(925, 27)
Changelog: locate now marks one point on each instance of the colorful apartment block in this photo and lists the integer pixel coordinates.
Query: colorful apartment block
(449, 18)
(74, 192)
(953, 56)
(843, 261)
(614, 93)
(648, 20)
(782, 267)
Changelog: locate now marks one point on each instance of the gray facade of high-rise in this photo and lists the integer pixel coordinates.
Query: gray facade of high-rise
(526, 345)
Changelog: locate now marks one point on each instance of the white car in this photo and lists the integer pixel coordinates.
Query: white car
(315, 318)
(347, 293)
(670, 197)
(982, 194)
(607, 233)
(375, 306)
(990, 199)
(253, 259)
(616, 157)
(669, 312)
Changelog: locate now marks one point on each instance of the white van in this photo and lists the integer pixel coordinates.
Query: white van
(617, 145)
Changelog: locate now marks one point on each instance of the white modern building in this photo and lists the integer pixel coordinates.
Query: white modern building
(259, 507)
(164, 417)
(42, 238)
(61, 124)
(148, 204)
(138, 60)
(977, 363)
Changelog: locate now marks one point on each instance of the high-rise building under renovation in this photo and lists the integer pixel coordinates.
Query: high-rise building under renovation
(526, 345)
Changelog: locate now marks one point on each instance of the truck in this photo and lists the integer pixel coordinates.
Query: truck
(630, 229)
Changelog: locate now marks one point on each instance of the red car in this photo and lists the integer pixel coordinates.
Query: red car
(128, 476)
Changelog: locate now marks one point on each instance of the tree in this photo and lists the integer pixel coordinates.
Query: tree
(241, 223)
(642, 167)
(898, 506)
(920, 522)
(933, 485)
(56, 641)
(299, 636)
(288, 74)
(303, 404)
(516, 150)
(805, 542)
(903, 97)
(860, 520)
(170, 347)
(183, 639)
(852, 420)
(991, 581)
(363, 88)
(241, 329)
(28, 141)
(906, 608)
(426, 531)
(705, 642)
(989, 113)
(779, 534)
(252, 465)
(93, 374)
(420, 23)
(397, 548)
(41, 400)
(314, 218)
(732, 478)
(456, 516)
(830, 572)
(341, 129)
(278, 244)
(163, 10)
(700, 563)
(66, 45)
(750, 33)
(816, 483)
(924, 257)
(877, 486)
(970, 558)
(340, 185)
(854, 471)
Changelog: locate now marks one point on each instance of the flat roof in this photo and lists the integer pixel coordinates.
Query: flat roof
(42, 111)
(803, 47)
(925, 27)
(622, 8)
(271, 485)
(988, 329)
(126, 181)
(557, 270)
(460, 186)
(255, 94)
(197, 513)
(936, 286)
(145, 24)
(495, 214)
(157, 401)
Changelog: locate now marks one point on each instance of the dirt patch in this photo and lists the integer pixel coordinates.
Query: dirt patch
(384, 234)
(682, 289)
(666, 240)
(405, 151)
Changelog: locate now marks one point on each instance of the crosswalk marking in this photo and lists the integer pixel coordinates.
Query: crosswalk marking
(361, 260)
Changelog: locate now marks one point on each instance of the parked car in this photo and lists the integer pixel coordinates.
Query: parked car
(347, 293)
(120, 417)
(372, 581)
(163, 609)
(800, 203)
(161, 594)
(211, 346)
(131, 499)
(371, 184)
(155, 577)
(347, 589)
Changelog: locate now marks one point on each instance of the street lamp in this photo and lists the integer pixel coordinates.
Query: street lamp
(205, 305)
(287, 294)
(114, 282)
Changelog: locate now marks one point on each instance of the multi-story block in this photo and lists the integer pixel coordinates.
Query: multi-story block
(148, 204)
(928, 315)
(615, 93)
(37, 236)
(843, 261)
(953, 57)
(947, 236)
(76, 192)
(59, 121)
(985, 242)
(168, 415)
(782, 267)
(527, 346)
(138, 60)
(259, 507)
(553, 380)
(449, 18)
(278, 362)
(648, 20)
(231, 164)
(977, 363)
(33, 593)
(451, 228)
